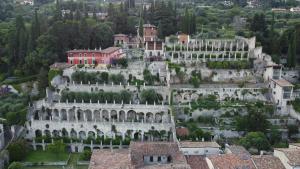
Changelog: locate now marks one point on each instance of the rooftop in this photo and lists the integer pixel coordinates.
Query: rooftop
(282, 82)
(230, 161)
(295, 144)
(237, 150)
(120, 34)
(60, 65)
(140, 149)
(110, 49)
(293, 155)
(197, 162)
(267, 162)
(149, 26)
(107, 50)
(107, 159)
(182, 131)
(190, 144)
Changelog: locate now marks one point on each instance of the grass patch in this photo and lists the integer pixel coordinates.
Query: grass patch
(45, 156)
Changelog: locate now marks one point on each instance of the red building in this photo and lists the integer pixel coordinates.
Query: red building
(94, 56)
(150, 32)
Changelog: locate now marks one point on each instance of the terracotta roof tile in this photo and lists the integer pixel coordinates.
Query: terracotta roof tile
(140, 149)
(197, 162)
(267, 162)
(199, 144)
(231, 161)
(107, 159)
(293, 155)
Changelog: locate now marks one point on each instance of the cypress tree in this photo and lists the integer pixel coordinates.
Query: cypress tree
(291, 59)
(58, 14)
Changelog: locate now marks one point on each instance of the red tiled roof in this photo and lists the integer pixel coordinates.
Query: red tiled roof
(107, 159)
(198, 144)
(182, 131)
(267, 162)
(293, 155)
(197, 162)
(140, 149)
(231, 161)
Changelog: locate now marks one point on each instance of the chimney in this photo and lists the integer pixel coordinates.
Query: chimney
(261, 153)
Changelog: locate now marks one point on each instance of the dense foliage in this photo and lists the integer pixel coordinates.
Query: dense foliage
(93, 78)
(255, 140)
(13, 108)
(18, 150)
(230, 65)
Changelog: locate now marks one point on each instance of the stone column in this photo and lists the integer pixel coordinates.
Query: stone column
(59, 116)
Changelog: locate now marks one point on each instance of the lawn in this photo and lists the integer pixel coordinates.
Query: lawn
(45, 156)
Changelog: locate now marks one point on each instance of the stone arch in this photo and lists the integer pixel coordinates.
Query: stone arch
(186, 96)
(55, 115)
(55, 133)
(149, 117)
(122, 116)
(38, 133)
(47, 114)
(80, 115)
(88, 115)
(72, 116)
(47, 133)
(137, 135)
(105, 115)
(226, 96)
(36, 115)
(113, 115)
(141, 116)
(64, 116)
(91, 135)
(64, 132)
(131, 115)
(97, 115)
(100, 133)
(158, 117)
(194, 96)
(73, 134)
(82, 135)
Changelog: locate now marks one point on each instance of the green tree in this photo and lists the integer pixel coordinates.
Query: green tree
(291, 59)
(42, 79)
(57, 147)
(255, 140)
(292, 129)
(255, 120)
(15, 165)
(150, 96)
(17, 150)
(86, 155)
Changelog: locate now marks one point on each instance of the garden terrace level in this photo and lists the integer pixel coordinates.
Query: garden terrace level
(80, 119)
(162, 90)
(185, 95)
(204, 56)
(90, 112)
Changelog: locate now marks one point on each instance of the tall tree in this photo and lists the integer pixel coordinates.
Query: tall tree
(291, 59)
(57, 13)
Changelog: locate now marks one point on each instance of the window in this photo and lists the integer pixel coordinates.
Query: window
(93, 54)
(80, 62)
(85, 61)
(71, 61)
(80, 55)
(151, 158)
(85, 55)
(169, 158)
(159, 159)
